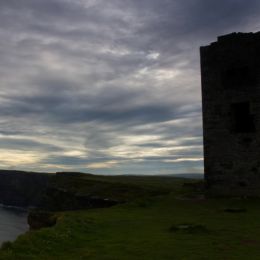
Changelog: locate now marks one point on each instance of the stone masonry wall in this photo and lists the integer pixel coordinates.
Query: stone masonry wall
(230, 74)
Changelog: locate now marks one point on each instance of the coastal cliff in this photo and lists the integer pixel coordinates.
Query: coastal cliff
(53, 192)
(22, 189)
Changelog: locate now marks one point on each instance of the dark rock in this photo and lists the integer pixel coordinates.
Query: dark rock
(40, 219)
(235, 210)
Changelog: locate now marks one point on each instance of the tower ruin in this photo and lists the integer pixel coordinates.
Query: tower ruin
(230, 74)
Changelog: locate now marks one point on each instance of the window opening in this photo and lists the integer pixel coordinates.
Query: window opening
(242, 119)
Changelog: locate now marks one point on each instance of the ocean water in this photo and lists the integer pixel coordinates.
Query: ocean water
(13, 222)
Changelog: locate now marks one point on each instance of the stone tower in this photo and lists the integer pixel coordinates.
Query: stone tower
(230, 73)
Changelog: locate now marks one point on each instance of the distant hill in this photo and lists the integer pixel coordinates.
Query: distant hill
(188, 175)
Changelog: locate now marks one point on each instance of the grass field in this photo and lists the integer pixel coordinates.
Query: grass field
(166, 221)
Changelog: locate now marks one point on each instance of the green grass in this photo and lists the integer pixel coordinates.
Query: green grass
(143, 228)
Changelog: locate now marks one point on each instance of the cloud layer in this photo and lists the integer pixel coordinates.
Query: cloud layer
(107, 86)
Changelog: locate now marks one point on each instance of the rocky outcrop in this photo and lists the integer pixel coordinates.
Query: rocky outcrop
(39, 219)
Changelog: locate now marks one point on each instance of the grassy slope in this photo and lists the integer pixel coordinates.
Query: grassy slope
(141, 229)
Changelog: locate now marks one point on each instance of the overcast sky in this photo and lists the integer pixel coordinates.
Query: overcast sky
(108, 86)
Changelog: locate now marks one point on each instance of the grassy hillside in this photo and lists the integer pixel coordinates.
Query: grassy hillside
(161, 220)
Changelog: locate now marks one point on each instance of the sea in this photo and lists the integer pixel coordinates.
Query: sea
(13, 222)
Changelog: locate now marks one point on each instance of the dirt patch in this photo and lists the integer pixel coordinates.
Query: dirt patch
(189, 228)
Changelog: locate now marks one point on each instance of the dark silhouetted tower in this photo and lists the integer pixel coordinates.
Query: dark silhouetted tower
(230, 73)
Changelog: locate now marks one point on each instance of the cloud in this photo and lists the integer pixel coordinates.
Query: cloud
(26, 144)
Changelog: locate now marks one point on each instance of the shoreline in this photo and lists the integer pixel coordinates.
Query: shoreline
(4, 206)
